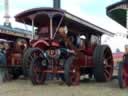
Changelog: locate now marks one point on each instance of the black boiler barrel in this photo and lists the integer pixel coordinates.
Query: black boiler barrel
(56, 3)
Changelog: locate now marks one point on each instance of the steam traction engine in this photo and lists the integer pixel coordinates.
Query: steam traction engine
(66, 46)
(13, 42)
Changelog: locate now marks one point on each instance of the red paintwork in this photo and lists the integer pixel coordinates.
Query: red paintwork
(55, 44)
(85, 58)
(16, 58)
(14, 54)
(43, 44)
(88, 51)
(40, 43)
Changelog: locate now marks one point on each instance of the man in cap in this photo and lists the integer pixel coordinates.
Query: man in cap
(63, 31)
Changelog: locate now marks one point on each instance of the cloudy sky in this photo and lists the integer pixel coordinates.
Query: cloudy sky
(93, 11)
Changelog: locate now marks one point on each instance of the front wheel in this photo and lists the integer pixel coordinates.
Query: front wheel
(37, 74)
(71, 72)
(28, 56)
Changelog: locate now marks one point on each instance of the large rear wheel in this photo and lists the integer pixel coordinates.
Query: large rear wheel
(103, 60)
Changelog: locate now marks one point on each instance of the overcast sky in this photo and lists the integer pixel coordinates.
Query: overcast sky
(93, 11)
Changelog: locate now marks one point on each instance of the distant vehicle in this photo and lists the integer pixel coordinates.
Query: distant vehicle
(65, 45)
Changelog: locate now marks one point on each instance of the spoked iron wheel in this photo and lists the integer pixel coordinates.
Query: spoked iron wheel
(123, 75)
(103, 60)
(37, 74)
(71, 72)
(28, 56)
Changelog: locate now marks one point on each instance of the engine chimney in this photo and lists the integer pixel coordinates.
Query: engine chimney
(56, 3)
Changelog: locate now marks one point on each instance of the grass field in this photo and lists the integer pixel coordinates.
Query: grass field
(58, 88)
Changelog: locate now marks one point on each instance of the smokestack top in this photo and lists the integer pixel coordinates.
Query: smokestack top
(56, 3)
(7, 22)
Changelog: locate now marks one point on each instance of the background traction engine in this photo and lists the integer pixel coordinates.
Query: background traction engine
(123, 70)
(11, 58)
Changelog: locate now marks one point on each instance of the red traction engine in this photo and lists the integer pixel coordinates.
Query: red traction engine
(66, 46)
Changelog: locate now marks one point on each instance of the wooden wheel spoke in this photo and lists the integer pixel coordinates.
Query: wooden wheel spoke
(108, 66)
(105, 54)
(107, 73)
(109, 58)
